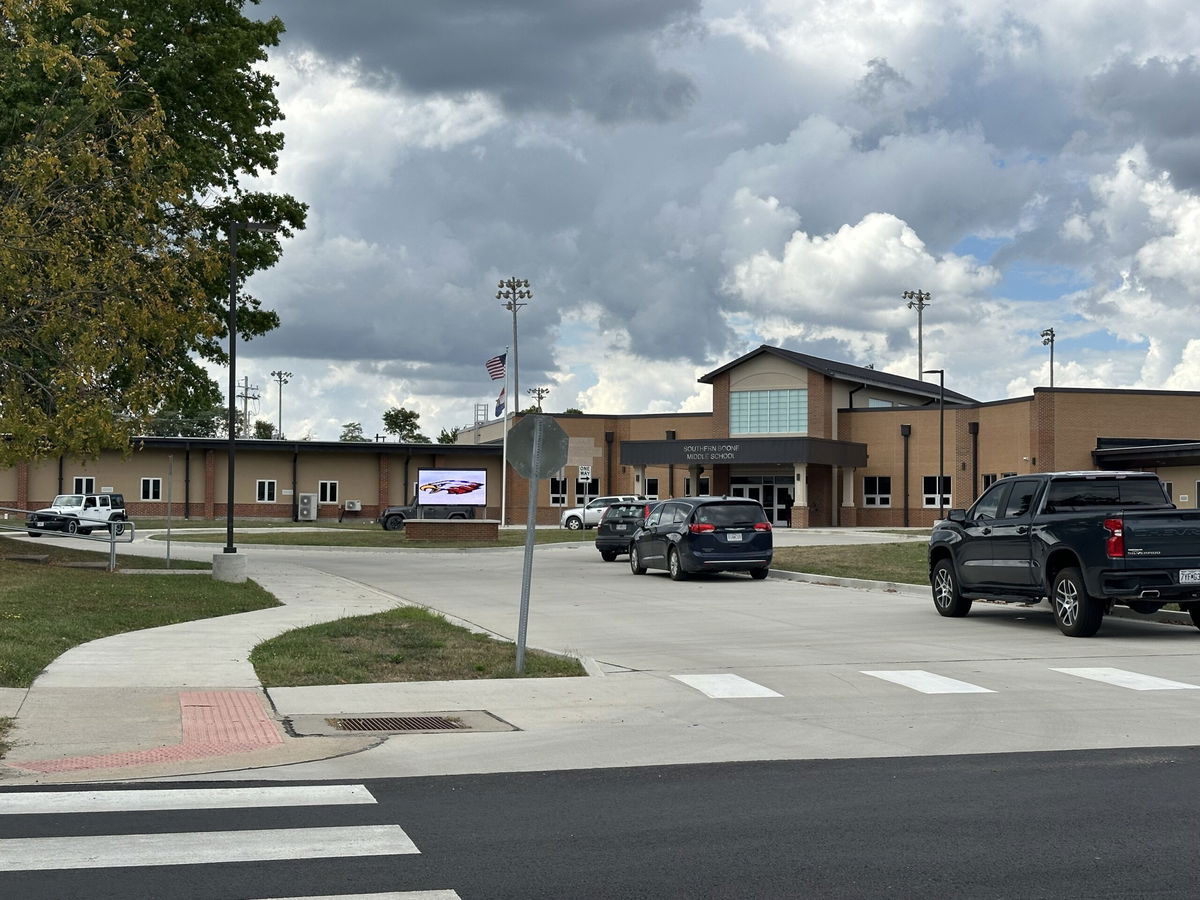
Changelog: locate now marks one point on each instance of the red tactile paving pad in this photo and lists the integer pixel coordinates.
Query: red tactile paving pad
(215, 723)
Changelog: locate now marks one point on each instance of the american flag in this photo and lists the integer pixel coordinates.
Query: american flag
(495, 366)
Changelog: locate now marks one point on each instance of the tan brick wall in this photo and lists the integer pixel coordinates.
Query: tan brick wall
(820, 405)
(1078, 418)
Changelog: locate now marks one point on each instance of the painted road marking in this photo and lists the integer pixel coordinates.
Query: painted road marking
(108, 851)
(190, 798)
(1132, 680)
(724, 687)
(929, 683)
(391, 895)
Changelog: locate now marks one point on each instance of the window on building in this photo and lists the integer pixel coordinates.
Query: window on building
(989, 480)
(877, 490)
(84, 484)
(327, 492)
(929, 491)
(558, 491)
(586, 490)
(151, 488)
(768, 412)
(876, 403)
(1169, 490)
(264, 491)
(652, 488)
(687, 486)
(1007, 474)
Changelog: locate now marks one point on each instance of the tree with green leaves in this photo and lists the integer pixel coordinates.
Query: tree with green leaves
(402, 423)
(124, 130)
(448, 436)
(353, 431)
(264, 430)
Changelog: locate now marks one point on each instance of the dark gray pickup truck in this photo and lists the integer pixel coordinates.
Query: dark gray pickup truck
(1085, 540)
(393, 517)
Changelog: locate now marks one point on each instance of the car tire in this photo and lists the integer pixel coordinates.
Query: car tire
(457, 516)
(72, 526)
(116, 529)
(675, 566)
(1076, 614)
(760, 573)
(608, 555)
(573, 524)
(393, 523)
(85, 531)
(947, 598)
(34, 533)
(635, 562)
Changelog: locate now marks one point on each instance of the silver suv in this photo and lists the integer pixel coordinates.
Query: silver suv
(589, 516)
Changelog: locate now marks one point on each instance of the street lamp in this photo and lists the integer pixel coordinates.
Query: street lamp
(282, 377)
(941, 374)
(233, 229)
(918, 300)
(512, 291)
(1048, 338)
(538, 394)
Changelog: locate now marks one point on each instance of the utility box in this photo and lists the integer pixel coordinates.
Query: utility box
(307, 510)
(353, 506)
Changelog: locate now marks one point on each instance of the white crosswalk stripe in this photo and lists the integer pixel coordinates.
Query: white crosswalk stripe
(1134, 681)
(726, 686)
(929, 682)
(185, 798)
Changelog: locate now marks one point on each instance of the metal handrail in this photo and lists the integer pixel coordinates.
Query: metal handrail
(108, 537)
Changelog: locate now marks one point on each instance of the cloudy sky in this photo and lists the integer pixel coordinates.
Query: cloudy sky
(684, 180)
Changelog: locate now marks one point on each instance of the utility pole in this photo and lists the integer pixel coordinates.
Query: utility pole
(918, 300)
(512, 291)
(538, 393)
(249, 392)
(282, 377)
(1048, 338)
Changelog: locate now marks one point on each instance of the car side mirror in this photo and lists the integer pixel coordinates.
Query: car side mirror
(957, 515)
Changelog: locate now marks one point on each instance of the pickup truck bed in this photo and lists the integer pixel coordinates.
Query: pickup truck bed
(1085, 540)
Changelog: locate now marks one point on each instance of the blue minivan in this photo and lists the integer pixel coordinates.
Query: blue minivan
(703, 534)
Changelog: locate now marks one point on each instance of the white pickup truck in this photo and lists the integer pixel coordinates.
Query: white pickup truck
(79, 514)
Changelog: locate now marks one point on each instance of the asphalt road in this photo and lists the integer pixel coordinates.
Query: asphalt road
(1098, 824)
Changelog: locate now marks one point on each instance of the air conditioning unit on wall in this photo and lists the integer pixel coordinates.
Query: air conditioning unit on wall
(353, 506)
(307, 508)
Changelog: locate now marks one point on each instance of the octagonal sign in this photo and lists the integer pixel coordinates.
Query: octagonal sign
(537, 447)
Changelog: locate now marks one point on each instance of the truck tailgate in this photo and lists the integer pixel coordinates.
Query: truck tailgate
(1169, 537)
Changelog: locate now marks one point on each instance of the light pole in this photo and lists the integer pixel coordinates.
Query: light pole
(1048, 338)
(918, 300)
(234, 228)
(941, 374)
(514, 290)
(538, 394)
(282, 377)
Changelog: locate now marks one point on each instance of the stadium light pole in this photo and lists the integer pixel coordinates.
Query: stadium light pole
(512, 292)
(918, 300)
(1048, 338)
(233, 229)
(941, 374)
(283, 378)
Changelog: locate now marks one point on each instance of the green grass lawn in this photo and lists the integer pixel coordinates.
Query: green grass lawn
(403, 644)
(377, 537)
(904, 562)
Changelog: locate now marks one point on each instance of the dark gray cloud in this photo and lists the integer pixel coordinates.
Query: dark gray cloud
(594, 56)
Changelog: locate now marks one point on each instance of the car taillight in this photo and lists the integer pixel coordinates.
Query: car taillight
(1115, 545)
(701, 527)
(762, 526)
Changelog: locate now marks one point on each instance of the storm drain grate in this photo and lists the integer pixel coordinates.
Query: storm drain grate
(398, 723)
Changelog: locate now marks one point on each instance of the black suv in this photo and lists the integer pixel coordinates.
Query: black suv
(703, 534)
(618, 525)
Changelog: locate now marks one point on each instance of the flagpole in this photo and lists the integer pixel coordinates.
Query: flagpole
(504, 452)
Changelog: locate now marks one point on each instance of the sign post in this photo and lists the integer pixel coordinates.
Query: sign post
(537, 449)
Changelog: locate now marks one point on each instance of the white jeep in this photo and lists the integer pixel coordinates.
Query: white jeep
(79, 513)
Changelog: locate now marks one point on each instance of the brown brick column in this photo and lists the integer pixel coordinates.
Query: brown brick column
(22, 485)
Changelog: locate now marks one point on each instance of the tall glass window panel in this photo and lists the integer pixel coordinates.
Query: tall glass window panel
(768, 412)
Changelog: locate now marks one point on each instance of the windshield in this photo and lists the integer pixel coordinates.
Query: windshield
(68, 500)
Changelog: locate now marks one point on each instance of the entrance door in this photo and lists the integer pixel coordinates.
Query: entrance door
(749, 491)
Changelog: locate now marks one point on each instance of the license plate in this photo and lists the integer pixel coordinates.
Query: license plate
(734, 537)
(1189, 576)
(620, 528)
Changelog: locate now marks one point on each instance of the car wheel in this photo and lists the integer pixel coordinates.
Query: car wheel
(635, 562)
(675, 566)
(1077, 614)
(947, 599)
(574, 524)
(34, 533)
(393, 523)
(116, 529)
(760, 574)
(72, 526)
(608, 555)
